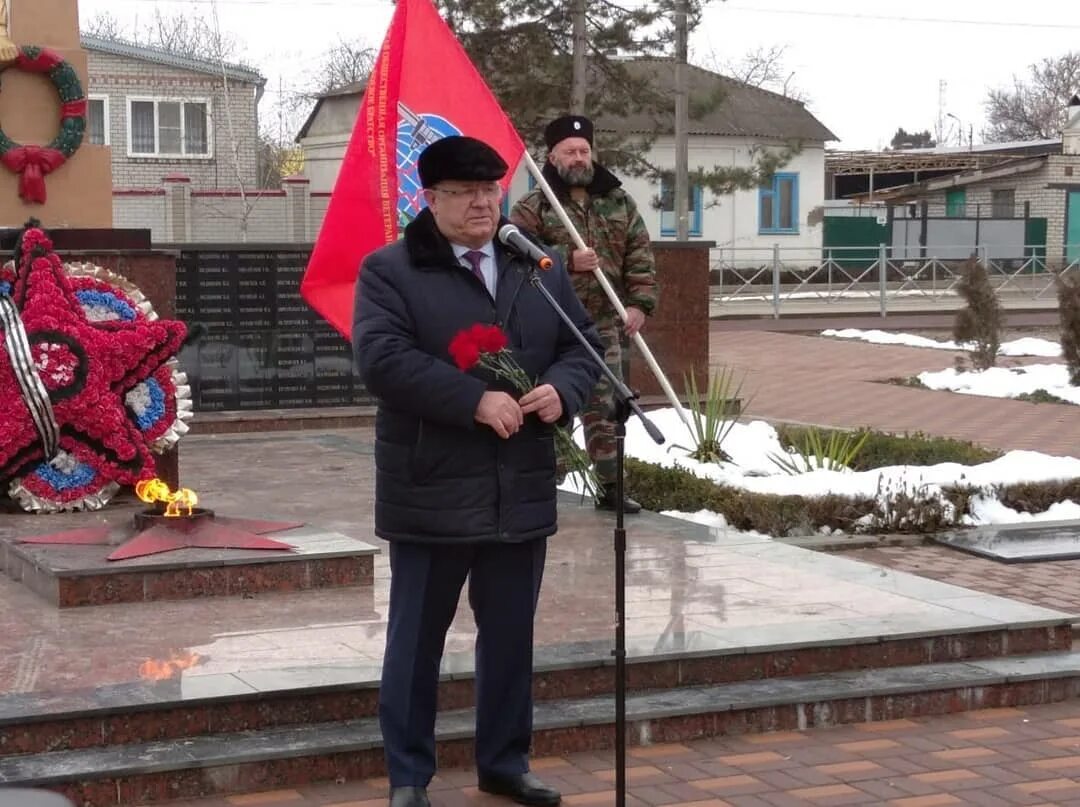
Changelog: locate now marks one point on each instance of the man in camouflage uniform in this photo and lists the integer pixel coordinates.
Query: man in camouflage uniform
(607, 218)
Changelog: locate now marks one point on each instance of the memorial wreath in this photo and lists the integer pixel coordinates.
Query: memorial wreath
(33, 163)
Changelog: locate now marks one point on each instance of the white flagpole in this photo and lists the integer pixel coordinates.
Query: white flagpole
(598, 273)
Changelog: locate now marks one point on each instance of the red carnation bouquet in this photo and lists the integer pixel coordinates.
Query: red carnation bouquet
(487, 347)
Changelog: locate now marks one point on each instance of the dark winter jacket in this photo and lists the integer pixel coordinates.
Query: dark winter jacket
(440, 475)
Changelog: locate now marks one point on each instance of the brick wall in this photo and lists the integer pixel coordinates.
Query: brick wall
(1034, 188)
(143, 211)
(119, 78)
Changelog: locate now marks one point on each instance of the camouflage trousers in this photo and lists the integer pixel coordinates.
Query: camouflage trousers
(596, 417)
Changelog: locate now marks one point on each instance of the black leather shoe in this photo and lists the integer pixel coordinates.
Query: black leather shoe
(409, 797)
(606, 501)
(524, 789)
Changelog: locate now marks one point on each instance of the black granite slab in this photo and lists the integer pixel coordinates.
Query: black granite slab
(1018, 543)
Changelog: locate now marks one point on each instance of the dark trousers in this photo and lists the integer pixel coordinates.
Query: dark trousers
(425, 586)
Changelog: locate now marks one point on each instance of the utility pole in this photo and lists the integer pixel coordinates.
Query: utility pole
(682, 190)
(578, 87)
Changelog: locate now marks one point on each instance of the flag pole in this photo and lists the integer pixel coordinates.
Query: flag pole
(605, 284)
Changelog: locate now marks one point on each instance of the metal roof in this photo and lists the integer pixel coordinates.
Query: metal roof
(116, 47)
(941, 158)
(991, 172)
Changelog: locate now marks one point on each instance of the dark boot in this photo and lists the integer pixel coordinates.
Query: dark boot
(605, 500)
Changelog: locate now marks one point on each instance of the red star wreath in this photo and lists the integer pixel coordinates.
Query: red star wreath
(77, 384)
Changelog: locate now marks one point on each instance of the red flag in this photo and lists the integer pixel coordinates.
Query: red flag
(423, 87)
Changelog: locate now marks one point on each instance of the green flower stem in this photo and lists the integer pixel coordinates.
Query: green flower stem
(568, 453)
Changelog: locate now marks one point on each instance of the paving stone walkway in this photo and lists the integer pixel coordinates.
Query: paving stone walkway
(995, 757)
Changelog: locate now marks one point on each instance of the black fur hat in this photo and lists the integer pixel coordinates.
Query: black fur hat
(568, 126)
(462, 158)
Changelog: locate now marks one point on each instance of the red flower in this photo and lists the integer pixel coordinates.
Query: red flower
(34, 237)
(468, 345)
(464, 350)
(490, 338)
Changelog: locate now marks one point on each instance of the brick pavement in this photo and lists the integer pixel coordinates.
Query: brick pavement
(1050, 584)
(1028, 756)
(833, 382)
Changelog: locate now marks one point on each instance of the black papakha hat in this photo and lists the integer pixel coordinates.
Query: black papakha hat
(462, 158)
(568, 126)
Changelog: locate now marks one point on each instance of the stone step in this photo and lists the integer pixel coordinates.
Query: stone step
(193, 705)
(192, 767)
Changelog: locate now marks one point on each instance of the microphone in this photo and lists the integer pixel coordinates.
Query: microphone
(510, 236)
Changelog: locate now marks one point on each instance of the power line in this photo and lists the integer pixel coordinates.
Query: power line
(895, 18)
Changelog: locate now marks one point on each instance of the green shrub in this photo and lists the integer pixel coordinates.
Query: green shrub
(660, 488)
(911, 381)
(881, 450)
(1041, 396)
(1035, 497)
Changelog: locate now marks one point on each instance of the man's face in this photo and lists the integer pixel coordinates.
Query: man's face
(572, 158)
(467, 213)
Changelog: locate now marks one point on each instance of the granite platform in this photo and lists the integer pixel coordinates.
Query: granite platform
(787, 635)
(77, 575)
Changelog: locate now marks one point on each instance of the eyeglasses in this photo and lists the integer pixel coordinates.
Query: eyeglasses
(485, 193)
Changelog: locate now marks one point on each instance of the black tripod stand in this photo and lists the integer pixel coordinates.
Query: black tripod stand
(625, 405)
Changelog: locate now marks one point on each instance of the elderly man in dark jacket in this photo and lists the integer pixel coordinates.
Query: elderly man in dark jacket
(465, 470)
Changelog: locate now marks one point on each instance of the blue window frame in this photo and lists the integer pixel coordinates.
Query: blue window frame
(667, 207)
(778, 205)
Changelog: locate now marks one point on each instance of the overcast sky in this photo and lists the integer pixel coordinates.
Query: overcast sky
(867, 66)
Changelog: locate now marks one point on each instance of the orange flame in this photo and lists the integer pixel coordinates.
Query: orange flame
(178, 503)
(161, 669)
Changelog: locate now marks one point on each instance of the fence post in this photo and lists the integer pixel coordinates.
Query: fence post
(883, 272)
(177, 224)
(776, 280)
(830, 271)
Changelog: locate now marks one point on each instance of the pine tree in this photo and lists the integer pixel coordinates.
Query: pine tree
(1068, 289)
(982, 320)
(524, 51)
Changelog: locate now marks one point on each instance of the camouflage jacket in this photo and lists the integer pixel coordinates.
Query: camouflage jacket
(609, 222)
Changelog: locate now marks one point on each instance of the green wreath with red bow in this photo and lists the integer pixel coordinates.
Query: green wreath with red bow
(33, 163)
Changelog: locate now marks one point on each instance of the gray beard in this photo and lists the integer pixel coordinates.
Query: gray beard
(576, 177)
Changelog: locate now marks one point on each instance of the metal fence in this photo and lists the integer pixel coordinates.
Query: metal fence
(785, 279)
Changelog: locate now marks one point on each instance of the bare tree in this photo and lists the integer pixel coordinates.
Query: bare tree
(183, 34)
(763, 67)
(346, 63)
(189, 35)
(105, 26)
(1034, 107)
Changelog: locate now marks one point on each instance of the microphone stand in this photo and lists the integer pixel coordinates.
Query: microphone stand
(625, 405)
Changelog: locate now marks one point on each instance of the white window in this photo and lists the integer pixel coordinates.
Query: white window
(161, 127)
(97, 120)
